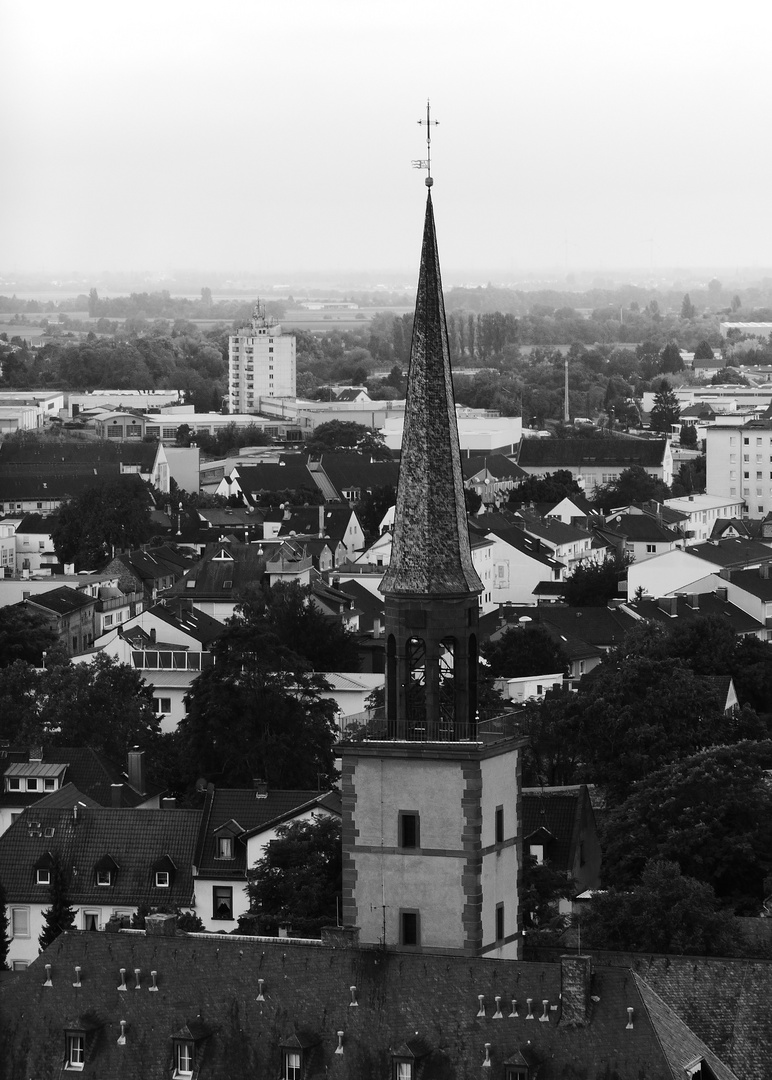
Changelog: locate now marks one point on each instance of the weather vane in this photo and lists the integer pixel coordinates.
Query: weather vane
(426, 163)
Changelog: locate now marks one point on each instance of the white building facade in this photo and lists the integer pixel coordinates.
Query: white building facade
(739, 464)
(261, 363)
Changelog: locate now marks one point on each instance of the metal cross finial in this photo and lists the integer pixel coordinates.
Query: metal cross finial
(426, 163)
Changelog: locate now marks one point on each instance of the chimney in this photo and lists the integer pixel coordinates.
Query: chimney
(321, 520)
(764, 571)
(693, 601)
(168, 803)
(575, 976)
(152, 635)
(160, 924)
(377, 628)
(261, 788)
(668, 604)
(36, 753)
(136, 770)
(722, 593)
(116, 792)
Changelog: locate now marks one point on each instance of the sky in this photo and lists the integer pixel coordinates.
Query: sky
(277, 138)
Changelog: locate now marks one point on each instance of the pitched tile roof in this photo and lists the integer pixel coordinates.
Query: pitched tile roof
(565, 453)
(90, 772)
(253, 813)
(135, 839)
(733, 551)
(558, 810)
(63, 601)
(208, 984)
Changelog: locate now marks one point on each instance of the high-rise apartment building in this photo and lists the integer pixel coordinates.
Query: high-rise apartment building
(739, 462)
(261, 363)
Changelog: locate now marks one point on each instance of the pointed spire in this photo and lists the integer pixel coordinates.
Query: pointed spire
(430, 553)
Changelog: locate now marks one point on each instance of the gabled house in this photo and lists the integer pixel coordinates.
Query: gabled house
(34, 546)
(559, 829)
(491, 477)
(115, 862)
(148, 570)
(519, 561)
(217, 582)
(236, 827)
(638, 536)
(339, 524)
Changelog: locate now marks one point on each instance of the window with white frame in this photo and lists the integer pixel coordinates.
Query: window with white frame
(20, 922)
(225, 847)
(162, 879)
(75, 1050)
(403, 1069)
(42, 877)
(183, 1057)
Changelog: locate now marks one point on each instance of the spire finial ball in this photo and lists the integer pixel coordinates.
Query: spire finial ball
(428, 181)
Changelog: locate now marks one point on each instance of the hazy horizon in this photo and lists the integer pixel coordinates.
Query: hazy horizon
(275, 141)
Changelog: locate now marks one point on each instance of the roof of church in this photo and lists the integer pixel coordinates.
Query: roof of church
(430, 551)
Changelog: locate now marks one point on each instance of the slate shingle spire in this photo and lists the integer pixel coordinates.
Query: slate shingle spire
(430, 554)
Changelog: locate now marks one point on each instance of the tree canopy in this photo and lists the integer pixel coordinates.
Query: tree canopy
(259, 711)
(666, 410)
(666, 913)
(711, 813)
(109, 515)
(593, 584)
(524, 651)
(550, 488)
(25, 634)
(298, 880)
(345, 435)
(634, 485)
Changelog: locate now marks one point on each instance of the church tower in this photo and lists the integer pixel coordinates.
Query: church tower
(431, 803)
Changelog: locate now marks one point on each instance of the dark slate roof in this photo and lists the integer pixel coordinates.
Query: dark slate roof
(73, 453)
(553, 531)
(304, 521)
(63, 601)
(565, 453)
(498, 465)
(752, 582)
(178, 612)
(89, 771)
(598, 626)
(430, 553)
(208, 984)
(65, 798)
(269, 476)
(253, 814)
(369, 605)
(37, 523)
(732, 552)
(709, 604)
(224, 579)
(350, 471)
(638, 527)
(516, 538)
(135, 839)
(17, 482)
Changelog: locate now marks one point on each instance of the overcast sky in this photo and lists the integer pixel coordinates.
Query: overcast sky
(278, 136)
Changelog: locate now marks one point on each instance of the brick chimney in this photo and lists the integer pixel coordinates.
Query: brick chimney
(116, 793)
(261, 788)
(575, 976)
(161, 924)
(136, 770)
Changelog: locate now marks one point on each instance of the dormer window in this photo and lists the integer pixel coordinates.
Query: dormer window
(42, 877)
(13, 783)
(163, 871)
(405, 1058)
(296, 1055)
(183, 1057)
(225, 847)
(162, 879)
(75, 1050)
(32, 783)
(186, 1046)
(104, 877)
(105, 871)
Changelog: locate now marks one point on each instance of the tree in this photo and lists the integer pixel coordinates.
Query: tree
(109, 515)
(259, 711)
(344, 435)
(550, 488)
(25, 634)
(666, 410)
(688, 310)
(323, 642)
(593, 584)
(298, 880)
(711, 813)
(703, 351)
(5, 941)
(633, 485)
(543, 888)
(670, 358)
(552, 756)
(60, 916)
(666, 913)
(523, 651)
(688, 436)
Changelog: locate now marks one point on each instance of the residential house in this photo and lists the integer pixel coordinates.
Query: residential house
(702, 511)
(168, 645)
(71, 613)
(339, 524)
(593, 462)
(117, 861)
(30, 775)
(638, 536)
(491, 477)
(178, 463)
(519, 560)
(237, 827)
(679, 570)
(7, 548)
(248, 483)
(150, 571)
(528, 687)
(352, 476)
(712, 599)
(33, 542)
(565, 543)
(738, 457)
(216, 584)
(559, 830)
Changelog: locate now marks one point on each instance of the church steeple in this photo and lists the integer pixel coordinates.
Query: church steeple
(430, 554)
(431, 586)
